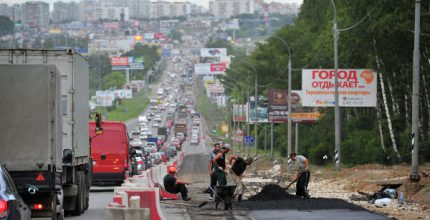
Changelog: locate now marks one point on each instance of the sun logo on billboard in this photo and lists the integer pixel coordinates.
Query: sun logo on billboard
(368, 76)
(279, 99)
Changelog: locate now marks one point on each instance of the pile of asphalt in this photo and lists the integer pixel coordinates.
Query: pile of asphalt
(275, 197)
(271, 192)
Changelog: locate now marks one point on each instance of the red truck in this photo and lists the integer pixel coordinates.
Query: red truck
(109, 153)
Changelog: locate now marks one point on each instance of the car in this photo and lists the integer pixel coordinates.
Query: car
(142, 119)
(136, 143)
(195, 139)
(155, 124)
(157, 118)
(143, 137)
(12, 206)
(156, 158)
(135, 132)
(175, 142)
(181, 137)
(172, 151)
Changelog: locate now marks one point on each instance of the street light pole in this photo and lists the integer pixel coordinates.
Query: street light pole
(256, 117)
(414, 175)
(336, 92)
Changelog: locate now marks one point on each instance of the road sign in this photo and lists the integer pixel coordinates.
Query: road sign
(249, 139)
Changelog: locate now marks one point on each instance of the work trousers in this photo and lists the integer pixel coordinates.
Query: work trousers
(302, 184)
(220, 177)
(180, 188)
(213, 184)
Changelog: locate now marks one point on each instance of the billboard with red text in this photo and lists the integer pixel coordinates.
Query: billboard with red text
(356, 87)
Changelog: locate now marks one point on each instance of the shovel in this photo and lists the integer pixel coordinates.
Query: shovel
(183, 204)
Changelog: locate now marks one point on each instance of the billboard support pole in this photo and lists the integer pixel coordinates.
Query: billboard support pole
(297, 138)
(265, 139)
(289, 113)
(271, 141)
(336, 93)
(127, 75)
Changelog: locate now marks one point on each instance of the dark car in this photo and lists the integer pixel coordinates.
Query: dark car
(11, 204)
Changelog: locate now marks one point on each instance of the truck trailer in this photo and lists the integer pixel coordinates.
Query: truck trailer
(76, 165)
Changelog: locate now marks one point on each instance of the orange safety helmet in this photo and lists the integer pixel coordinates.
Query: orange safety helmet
(172, 170)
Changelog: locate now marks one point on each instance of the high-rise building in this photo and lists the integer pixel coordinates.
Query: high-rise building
(65, 11)
(169, 9)
(228, 8)
(5, 10)
(35, 14)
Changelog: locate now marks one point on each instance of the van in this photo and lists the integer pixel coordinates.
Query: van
(109, 153)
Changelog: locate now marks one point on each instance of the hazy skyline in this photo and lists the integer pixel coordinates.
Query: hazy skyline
(204, 3)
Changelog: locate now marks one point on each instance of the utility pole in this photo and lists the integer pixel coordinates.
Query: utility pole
(337, 113)
(289, 115)
(256, 117)
(247, 124)
(415, 175)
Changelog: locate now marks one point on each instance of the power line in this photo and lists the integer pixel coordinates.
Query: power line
(359, 22)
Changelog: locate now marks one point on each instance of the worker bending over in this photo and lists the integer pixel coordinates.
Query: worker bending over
(303, 175)
(173, 185)
(238, 167)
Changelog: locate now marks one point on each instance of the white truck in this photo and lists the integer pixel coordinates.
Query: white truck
(72, 179)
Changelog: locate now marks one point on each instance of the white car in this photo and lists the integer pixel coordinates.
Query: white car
(195, 139)
(155, 125)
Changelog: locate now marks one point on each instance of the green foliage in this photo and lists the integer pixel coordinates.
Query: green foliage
(115, 79)
(6, 26)
(150, 54)
(386, 34)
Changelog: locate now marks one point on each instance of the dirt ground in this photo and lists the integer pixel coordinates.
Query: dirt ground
(328, 183)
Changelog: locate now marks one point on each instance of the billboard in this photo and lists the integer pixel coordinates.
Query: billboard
(122, 63)
(278, 107)
(209, 68)
(356, 87)
(232, 24)
(148, 36)
(240, 112)
(123, 94)
(213, 52)
(119, 61)
(258, 114)
(105, 98)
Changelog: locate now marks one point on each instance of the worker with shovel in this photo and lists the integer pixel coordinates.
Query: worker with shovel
(237, 168)
(303, 175)
(212, 168)
(219, 163)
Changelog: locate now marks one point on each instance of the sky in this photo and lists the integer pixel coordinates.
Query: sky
(204, 3)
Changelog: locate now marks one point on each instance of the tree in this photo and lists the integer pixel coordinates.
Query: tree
(6, 26)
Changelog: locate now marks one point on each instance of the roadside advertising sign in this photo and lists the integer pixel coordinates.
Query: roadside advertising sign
(258, 114)
(148, 36)
(159, 36)
(123, 94)
(240, 112)
(209, 68)
(278, 107)
(105, 98)
(356, 87)
(119, 61)
(232, 24)
(217, 67)
(213, 52)
(122, 63)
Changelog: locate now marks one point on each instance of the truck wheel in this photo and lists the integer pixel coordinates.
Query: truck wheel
(87, 190)
(80, 198)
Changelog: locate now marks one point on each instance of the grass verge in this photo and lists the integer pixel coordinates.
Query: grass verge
(128, 109)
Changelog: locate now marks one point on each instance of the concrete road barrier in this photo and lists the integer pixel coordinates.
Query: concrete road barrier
(116, 213)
